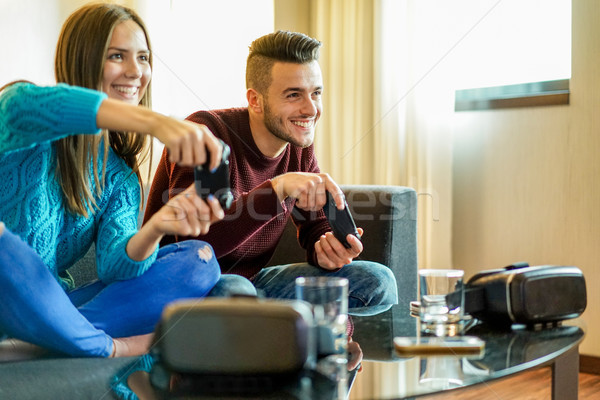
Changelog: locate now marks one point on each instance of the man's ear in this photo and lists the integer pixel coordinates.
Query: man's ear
(255, 100)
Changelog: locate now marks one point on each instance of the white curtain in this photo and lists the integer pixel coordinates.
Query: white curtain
(388, 105)
(344, 140)
(388, 118)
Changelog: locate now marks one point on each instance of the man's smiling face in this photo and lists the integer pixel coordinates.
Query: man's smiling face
(292, 105)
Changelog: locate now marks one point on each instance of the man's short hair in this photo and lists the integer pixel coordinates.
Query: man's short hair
(282, 46)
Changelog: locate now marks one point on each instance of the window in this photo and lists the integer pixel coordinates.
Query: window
(516, 53)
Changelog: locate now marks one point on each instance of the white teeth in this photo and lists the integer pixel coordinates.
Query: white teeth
(128, 90)
(303, 124)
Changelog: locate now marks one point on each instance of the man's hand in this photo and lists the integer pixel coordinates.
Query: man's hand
(331, 253)
(309, 189)
(356, 355)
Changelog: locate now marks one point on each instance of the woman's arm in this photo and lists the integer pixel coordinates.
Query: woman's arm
(122, 251)
(186, 141)
(30, 114)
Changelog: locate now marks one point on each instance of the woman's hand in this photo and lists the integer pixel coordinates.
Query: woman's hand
(185, 215)
(188, 142)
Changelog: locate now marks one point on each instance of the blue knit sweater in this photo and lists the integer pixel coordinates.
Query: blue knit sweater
(31, 205)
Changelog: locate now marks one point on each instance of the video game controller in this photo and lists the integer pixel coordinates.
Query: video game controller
(341, 221)
(217, 182)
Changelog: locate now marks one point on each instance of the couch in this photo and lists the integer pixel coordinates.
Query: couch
(386, 213)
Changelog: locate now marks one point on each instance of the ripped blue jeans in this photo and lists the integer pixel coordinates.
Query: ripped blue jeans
(34, 307)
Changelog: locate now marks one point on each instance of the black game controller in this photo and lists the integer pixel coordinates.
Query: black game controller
(217, 182)
(341, 221)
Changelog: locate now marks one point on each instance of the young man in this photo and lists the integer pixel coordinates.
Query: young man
(273, 171)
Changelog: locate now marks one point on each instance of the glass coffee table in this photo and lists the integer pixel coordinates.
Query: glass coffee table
(387, 375)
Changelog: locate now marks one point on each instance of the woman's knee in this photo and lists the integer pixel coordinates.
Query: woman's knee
(194, 262)
(208, 264)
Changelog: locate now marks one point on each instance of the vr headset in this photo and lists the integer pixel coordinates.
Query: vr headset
(523, 294)
(235, 336)
(239, 347)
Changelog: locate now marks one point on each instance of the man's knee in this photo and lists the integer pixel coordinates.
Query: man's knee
(376, 281)
(232, 285)
(389, 286)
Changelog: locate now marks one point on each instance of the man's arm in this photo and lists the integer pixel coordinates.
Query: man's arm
(314, 233)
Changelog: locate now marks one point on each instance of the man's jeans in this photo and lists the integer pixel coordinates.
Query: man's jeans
(372, 287)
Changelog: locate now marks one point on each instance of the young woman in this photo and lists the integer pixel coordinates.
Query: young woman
(69, 178)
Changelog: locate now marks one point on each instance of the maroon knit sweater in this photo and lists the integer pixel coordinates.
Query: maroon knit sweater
(245, 239)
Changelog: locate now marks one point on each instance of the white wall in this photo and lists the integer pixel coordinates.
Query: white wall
(29, 29)
(526, 182)
(200, 49)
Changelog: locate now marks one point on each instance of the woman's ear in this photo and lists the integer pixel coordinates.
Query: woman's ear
(255, 100)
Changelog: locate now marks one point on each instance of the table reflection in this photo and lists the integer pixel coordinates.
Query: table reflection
(148, 379)
(442, 373)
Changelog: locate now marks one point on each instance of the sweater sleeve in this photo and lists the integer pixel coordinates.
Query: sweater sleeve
(31, 114)
(118, 223)
(310, 225)
(250, 213)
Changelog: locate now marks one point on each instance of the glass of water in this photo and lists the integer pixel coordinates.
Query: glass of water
(441, 296)
(328, 297)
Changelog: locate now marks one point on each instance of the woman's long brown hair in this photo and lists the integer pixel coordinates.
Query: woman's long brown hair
(80, 56)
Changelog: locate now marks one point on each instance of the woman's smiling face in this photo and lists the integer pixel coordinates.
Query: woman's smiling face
(127, 70)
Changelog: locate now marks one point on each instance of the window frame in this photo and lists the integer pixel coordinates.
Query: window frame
(534, 94)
